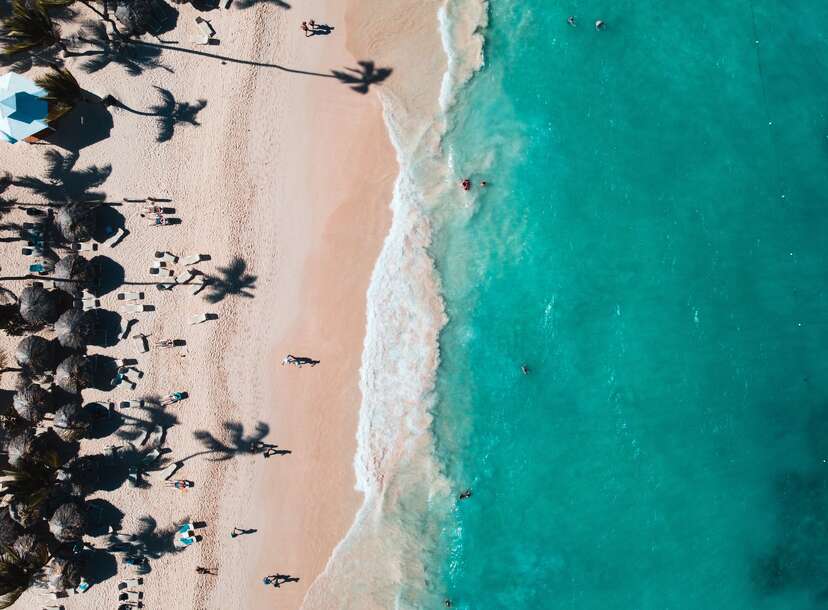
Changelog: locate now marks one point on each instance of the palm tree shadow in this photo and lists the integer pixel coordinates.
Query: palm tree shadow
(360, 79)
(231, 280)
(238, 443)
(134, 59)
(65, 183)
(170, 113)
(149, 542)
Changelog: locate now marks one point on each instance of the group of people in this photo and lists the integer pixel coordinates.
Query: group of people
(466, 184)
(311, 28)
(599, 25)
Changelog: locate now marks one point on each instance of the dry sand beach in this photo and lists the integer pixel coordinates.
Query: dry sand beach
(291, 174)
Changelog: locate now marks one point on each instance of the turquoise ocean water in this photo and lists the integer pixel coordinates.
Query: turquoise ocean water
(654, 245)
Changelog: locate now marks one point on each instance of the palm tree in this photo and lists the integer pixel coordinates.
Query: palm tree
(62, 92)
(15, 576)
(30, 28)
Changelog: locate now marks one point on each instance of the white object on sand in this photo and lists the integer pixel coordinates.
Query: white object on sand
(185, 277)
(130, 296)
(143, 344)
(192, 259)
(137, 308)
(161, 272)
(116, 237)
(169, 471)
(207, 31)
(199, 318)
(88, 246)
(166, 257)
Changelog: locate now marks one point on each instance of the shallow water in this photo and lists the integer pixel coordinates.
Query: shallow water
(652, 244)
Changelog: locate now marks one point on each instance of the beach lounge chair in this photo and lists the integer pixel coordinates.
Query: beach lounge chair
(126, 324)
(130, 582)
(130, 296)
(169, 471)
(161, 272)
(132, 596)
(199, 318)
(127, 404)
(137, 308)
(185, 277)
(166, 257)
(206, 31)
(191, 260)
(91, 304)
(134, 476)
(143, 343)
(116, 237)
(87, 246)
(121, 382)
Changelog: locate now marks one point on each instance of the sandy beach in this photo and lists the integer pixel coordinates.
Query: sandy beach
(291, 174)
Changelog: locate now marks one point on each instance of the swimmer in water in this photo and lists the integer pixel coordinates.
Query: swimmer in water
(599, 25)
(524, 369)
(465, 495)
(571, 20)
(466, 184)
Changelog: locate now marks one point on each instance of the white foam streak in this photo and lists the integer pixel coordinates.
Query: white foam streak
(379, 564)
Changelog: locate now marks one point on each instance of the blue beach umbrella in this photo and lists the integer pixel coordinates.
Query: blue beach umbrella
(23, 109)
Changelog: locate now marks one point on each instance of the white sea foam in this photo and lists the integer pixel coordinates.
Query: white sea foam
(379, 564)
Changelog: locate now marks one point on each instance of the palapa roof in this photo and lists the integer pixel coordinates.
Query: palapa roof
(74, 374)
(74, 328)
(72, 273)
(23, 109)
(38, 305)
(9, 528)
(59, 575)
(77, 221)
(70, 422)
(31, 402)
(68, 522)
(137, 16)
(36, 354)
(20, 447)
(31, 550)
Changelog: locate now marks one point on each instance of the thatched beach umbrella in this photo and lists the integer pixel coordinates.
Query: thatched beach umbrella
(72, 273)
(136, 16)
(70, 422)
(31, 550)
(9, 529)
(31, 402)
(36, 354)
(38, 305)
(74, 328)
(68, 522)
(77, 221)
(24, 513)
(74, 374)
(59, 575)
(20, 447)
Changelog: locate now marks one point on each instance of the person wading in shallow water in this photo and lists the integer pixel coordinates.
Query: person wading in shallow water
(465, 495)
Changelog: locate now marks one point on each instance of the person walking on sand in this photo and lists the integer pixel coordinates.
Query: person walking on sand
(304, 27)
(205, 571)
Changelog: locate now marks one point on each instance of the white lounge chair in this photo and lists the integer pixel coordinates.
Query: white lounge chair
(199, 318)
(127, 404)
(127, 384)
(86, 246)
(130, 582)
(130, 296)
(136, 308)
(161, 272)
(185, 277)
(192, 259)
(206, 31)
(166, 257)
(159, 265)
(116, 237)
(143, 343)
(169, 471)
(132, 596)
